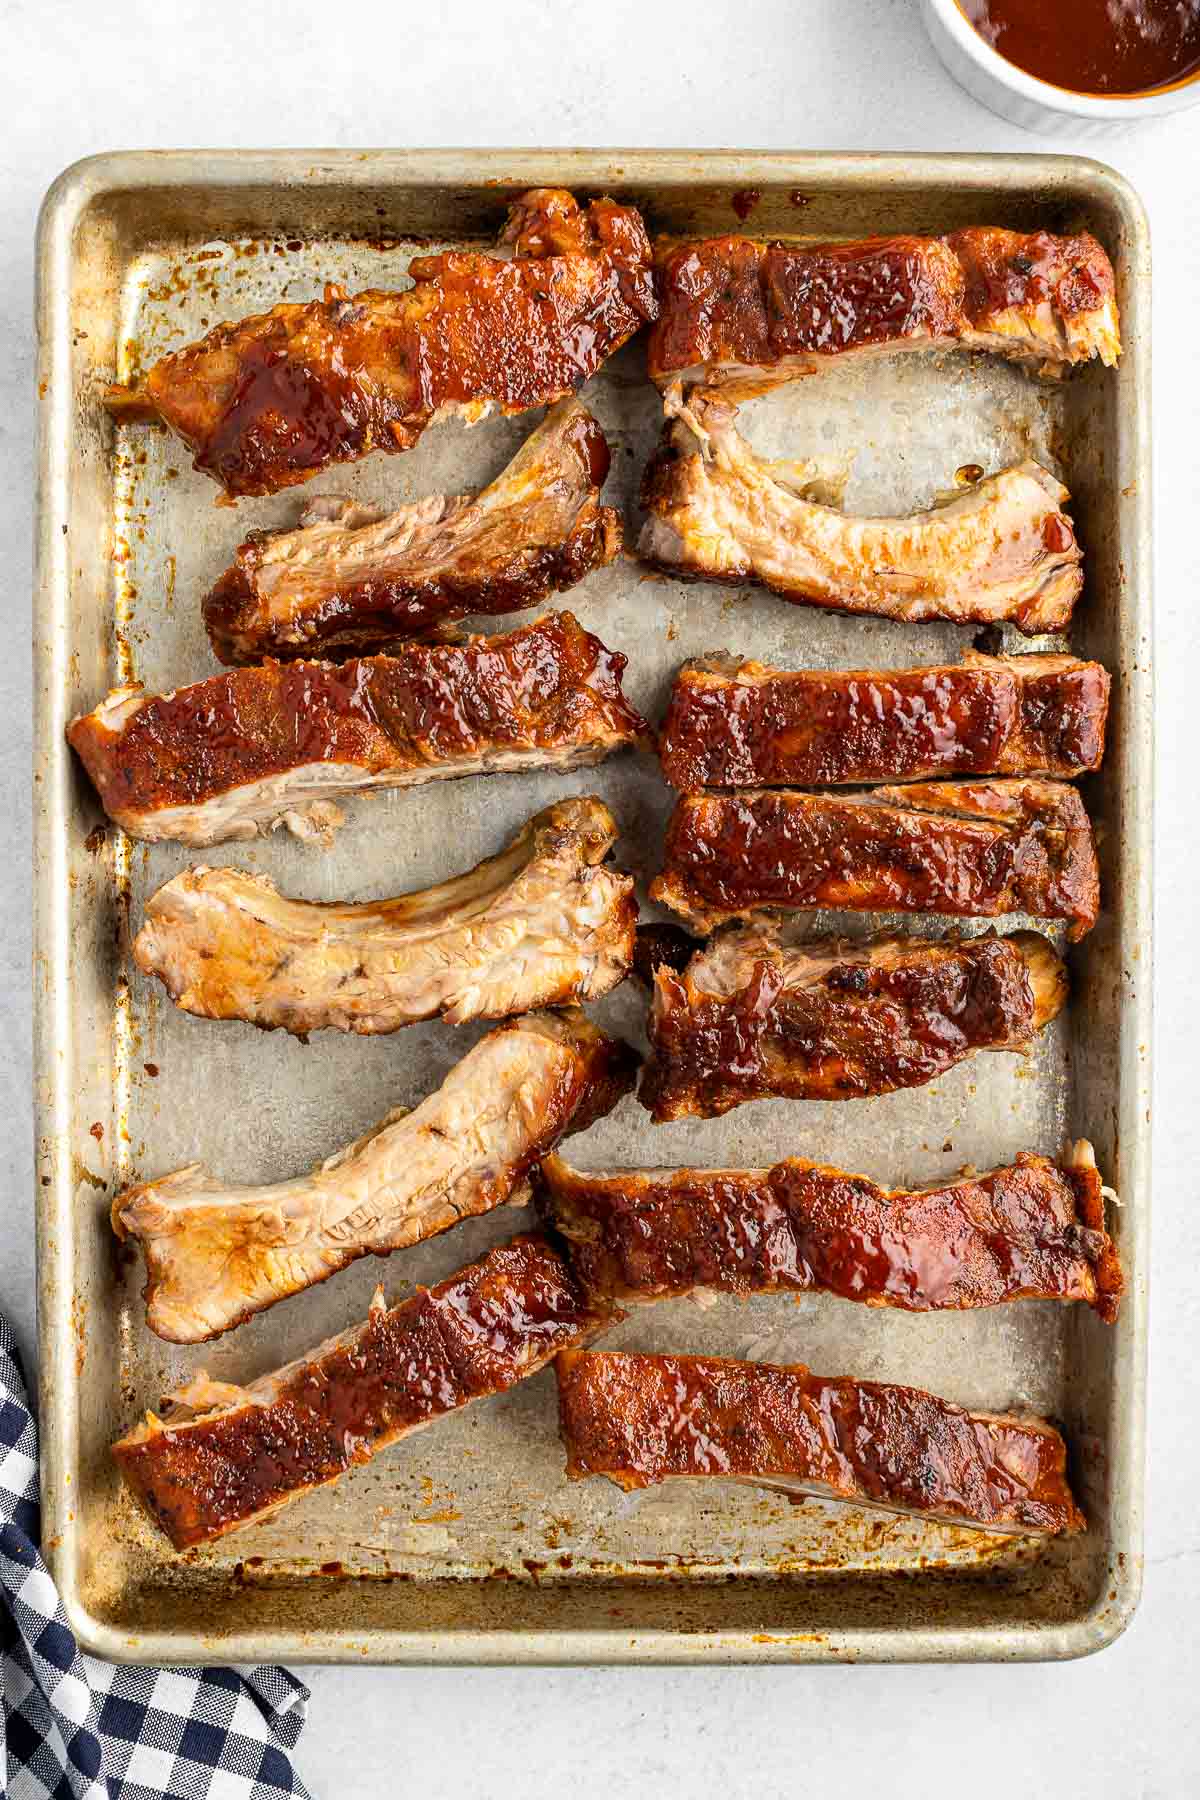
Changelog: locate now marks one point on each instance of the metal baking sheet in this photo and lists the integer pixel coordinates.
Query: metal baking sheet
(468, 1544)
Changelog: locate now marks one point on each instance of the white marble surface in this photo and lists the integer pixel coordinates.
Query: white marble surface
(782, 74)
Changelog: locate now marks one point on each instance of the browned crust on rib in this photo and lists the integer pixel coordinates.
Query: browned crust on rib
(734, 302)
(738, 723)
(644, 1419)
(266, 401)
(661, 946)
(1006, 271)
(485, 1328)
(548, 686)
(749, 1020)
(489, 559)
(540, 924)
(970, 849)
(1025, 1232)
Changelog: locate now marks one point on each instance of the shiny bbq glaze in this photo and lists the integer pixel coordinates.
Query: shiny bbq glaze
(661, 946)
(266, 401)
(363, 583)
(548, 689)
(487, 1327)
(973, 849)
(644, 1419)
(732, 303)
(1030, 1231)
(735, 723)
(749, 1019)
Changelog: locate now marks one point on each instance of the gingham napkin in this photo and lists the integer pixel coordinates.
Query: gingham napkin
(73, 1728)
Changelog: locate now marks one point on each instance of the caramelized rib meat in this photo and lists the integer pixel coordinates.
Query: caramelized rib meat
(243, 752)
(265, 402)
(750, 314)
(541, 924)
(751, 1018)
(661, 946)
(217, 1253)
(644, 1419)
(735, 723)
(223, 1456)
(350, 576)
(1002, 550)
(972, 848)
(1031, 1231)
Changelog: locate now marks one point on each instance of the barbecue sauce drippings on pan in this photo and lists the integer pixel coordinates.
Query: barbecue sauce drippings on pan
(1104, 47)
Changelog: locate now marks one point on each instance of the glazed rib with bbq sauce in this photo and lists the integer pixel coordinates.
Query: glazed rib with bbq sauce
(541, 924)
(357, 578)
(968, 849)
(658, 946)
(218, 1253)
(223, 1456)
(246, 751)
(736, 723)
(747, 314)
(1002, 550)
(1032, 1231)
(753, 1016)
(640, 1420)
(266, 402)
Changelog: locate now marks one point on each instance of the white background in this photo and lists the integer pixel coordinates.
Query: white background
(772, 74)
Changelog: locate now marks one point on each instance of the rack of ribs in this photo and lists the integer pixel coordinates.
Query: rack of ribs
(246, 751)
(753, 1018)
(748, 314)
(975, 849)
(266, 402)
(223, 1456)
(737, 723)
(357, 577)
(1002, 550)
(217, 1253)
(1031, 1231)
(541, 924)
(640, 1420)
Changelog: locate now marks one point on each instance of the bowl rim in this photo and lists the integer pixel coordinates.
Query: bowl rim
(1173, 98)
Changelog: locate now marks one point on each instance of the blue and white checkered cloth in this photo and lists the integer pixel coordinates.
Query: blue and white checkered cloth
(73, 1728)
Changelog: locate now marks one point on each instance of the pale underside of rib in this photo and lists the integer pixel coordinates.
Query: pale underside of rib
(537, 925)
(216, 1252)
(341, 545)
(981, 556)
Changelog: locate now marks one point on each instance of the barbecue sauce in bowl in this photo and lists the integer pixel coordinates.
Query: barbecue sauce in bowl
(1106, 47)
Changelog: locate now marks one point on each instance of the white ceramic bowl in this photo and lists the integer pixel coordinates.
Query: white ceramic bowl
(1038, 105)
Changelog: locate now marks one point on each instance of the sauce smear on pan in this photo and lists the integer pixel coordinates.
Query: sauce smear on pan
(1106, 47)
